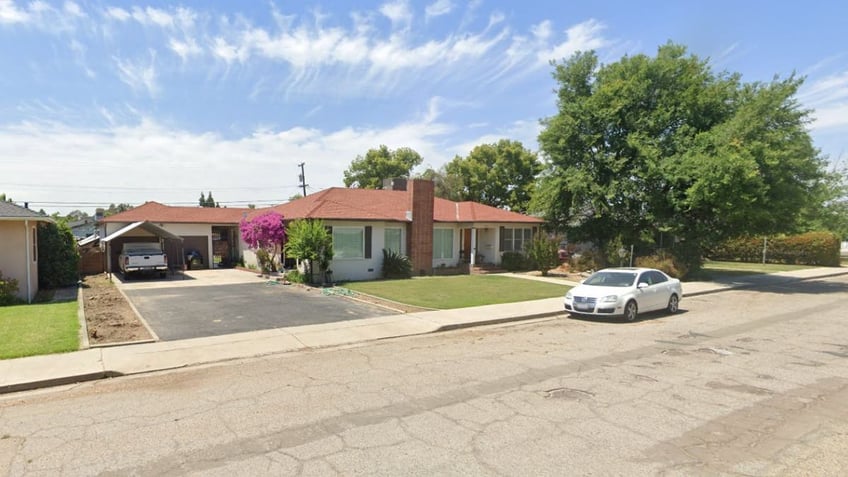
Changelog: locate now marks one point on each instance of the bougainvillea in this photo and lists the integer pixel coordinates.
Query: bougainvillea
(265, 232)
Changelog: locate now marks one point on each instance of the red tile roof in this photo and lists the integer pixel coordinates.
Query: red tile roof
(156, 212)
(388, 205)
(335, 203)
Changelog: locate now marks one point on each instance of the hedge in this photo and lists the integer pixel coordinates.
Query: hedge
(811, 248)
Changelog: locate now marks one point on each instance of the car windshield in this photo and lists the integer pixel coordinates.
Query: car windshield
(611, 279)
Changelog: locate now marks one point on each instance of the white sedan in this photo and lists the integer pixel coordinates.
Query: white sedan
(624, 292)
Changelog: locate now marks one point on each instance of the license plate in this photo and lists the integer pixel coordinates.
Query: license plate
(583, 306)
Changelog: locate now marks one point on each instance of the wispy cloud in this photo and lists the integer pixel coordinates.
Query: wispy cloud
(438, 8)
(398, 12)
(11, 13)
(828, 96)
(140, 75)
(580, 37)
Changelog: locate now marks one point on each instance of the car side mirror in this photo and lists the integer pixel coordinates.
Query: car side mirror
(642, 285)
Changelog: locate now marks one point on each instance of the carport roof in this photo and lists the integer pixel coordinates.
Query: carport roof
(144, 225)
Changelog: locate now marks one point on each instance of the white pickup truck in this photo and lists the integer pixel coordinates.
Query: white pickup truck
(143, 257)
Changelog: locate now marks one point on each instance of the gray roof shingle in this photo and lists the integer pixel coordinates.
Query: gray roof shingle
(10, 210)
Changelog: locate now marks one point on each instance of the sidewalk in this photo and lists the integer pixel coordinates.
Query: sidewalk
(97, 363)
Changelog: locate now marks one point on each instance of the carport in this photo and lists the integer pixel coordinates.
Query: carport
(143, 232)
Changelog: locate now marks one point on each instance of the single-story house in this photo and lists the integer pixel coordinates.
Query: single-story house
(210, 232)
(19, 247)
(405, 218)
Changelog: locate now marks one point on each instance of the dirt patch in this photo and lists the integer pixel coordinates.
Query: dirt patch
(108, 314)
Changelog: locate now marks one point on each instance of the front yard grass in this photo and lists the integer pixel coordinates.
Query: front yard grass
(460, 291)
(29, 330)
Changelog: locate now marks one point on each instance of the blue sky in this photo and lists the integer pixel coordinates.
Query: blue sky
(105, 102)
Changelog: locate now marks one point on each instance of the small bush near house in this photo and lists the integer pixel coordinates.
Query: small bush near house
(515, 261)
(544, 253)
(585, 261)
(8, 291)
(396, 265)
(295, 276)
(664, 262)
(58, 257)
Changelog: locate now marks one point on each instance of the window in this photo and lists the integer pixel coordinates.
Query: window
(442, 243)
(34, 244)
(515, 240)
(348, 242)
(391, 240)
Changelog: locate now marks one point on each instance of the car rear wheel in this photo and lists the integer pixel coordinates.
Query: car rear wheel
(631, 311)
(673, 304)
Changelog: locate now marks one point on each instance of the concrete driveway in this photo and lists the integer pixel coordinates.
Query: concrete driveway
(217, 302)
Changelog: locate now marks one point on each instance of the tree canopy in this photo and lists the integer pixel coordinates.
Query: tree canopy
(207, 201)
(663, 145)
(500, 174)
(368, 172)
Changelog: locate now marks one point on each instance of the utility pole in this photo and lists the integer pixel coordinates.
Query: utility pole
(302, 178)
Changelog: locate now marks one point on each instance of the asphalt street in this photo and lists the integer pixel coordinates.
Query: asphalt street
(177, 313)
(746, 382)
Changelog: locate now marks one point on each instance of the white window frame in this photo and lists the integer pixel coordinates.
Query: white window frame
(361, 231)
(510, 239)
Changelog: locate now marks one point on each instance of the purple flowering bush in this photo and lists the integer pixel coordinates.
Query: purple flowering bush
(266, 234)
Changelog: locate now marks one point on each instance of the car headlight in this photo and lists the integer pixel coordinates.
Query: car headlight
(569, 296)
(609, 299)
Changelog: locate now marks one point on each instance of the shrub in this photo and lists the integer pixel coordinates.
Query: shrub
(514, 261)
(58, 257)
(544, 253)
(295, 276)
(585, 261)
(811, 248)
(665, 262)
(396, 265)
(8, 291)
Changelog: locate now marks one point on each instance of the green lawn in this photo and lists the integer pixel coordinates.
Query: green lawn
(459, 291)
(28, 330)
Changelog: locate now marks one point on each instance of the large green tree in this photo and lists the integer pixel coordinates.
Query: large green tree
(445, 185)
(500, 174)
(663, 146)
(369, 171)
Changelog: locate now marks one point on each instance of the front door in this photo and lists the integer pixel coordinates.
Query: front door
(466, 246)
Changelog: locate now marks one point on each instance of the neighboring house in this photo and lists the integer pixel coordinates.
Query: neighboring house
(83, 228)
(19, 247)
(212, 232)
(433, 232)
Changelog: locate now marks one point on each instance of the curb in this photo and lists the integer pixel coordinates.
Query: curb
(59, 381)
(742, 286)
(497, 321)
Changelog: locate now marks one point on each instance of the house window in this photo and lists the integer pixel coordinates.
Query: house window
(515, 240)
(348, 242)
(34, 244)
(442, 243)
(391, 240)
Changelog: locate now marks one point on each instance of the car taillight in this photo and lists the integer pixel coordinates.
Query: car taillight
(126, 260)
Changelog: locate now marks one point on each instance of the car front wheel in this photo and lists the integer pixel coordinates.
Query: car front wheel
(673, 304)
(631, 311)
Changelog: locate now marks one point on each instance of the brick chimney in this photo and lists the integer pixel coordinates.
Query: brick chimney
(420, 236)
